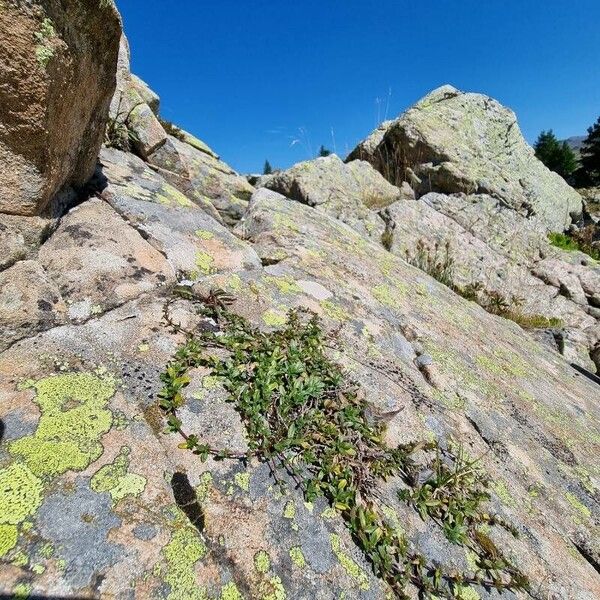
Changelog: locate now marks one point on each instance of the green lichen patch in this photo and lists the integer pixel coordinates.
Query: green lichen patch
(297, 557)
(230, 592)
(242, 480)
(204, 263)
(8, 538)
(204, 234)
(582, 512)
(73, 419)
(388, 295)
(286, 285)
(350, 566)
(115, 478)
(262, 562)
(203, 488)
(334, 311)
(21, 493)
(289, 510)
(181, 554)
(274, 318)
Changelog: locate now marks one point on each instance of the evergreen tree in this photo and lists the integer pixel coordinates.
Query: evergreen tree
(267, 169)
(555, 155)
(590, 154)
(324, 151)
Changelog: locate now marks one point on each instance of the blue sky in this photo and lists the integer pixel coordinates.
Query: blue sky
(272, 79)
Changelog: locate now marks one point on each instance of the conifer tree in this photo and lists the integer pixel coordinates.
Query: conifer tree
(324, 151)
(590, 154)
(267, 169)
(555, 155)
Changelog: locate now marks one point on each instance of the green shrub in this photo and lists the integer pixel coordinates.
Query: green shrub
(582, 241)
(303, 415)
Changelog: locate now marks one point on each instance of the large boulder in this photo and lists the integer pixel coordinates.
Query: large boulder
(134, 110)
(451, 141)
(57, 77)
(349, 192)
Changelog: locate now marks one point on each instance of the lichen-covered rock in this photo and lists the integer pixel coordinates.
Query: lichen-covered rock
(135, 106)
(57, 77)
(98, 261)
(451, 141)
(96, 499)
(350, 193)
(29, 302)
(201, 176)
(490, 248)
(194, 243)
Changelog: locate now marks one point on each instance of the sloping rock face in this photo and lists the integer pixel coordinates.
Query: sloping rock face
(96, 495)
(50, 50)
(492, 249)
(451, 141)
(197, 172)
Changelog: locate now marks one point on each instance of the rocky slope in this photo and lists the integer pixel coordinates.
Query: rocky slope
(166, 246)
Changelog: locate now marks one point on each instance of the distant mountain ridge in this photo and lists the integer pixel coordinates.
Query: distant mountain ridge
(575, 142)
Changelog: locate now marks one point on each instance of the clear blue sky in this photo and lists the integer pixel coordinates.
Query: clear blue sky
(251, 76)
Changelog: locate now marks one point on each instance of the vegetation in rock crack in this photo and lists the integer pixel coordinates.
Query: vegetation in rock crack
(172, 129)
(118, 134)
(305, 416)
(581, 241)
(438, 262)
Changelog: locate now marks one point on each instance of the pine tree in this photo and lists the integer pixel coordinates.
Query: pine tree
(555, 155)
(590, 154)
(267, 169)
(324, 151)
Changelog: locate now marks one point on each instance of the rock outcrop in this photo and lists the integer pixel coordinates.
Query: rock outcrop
(451, 141)
(127, 306)
(57, 77)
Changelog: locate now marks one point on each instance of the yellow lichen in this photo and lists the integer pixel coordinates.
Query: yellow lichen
(348, 564)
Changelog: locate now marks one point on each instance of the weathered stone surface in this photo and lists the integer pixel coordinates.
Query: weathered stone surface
(193, 242)
(29, 302)
(346, 192)
(57, 63)
(451, 141)
(490, 246)
(201, 176)
(101, 518)
(149, 133)
(20, 237)
(98, 261)
(136, 180)
(149, 96)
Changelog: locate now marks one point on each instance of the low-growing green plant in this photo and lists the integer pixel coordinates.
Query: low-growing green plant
(303, 415)
(172, 129)
(118, 134)
(581, 241)
(436, 260)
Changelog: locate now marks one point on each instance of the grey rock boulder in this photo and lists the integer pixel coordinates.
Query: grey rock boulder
(451, 141)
